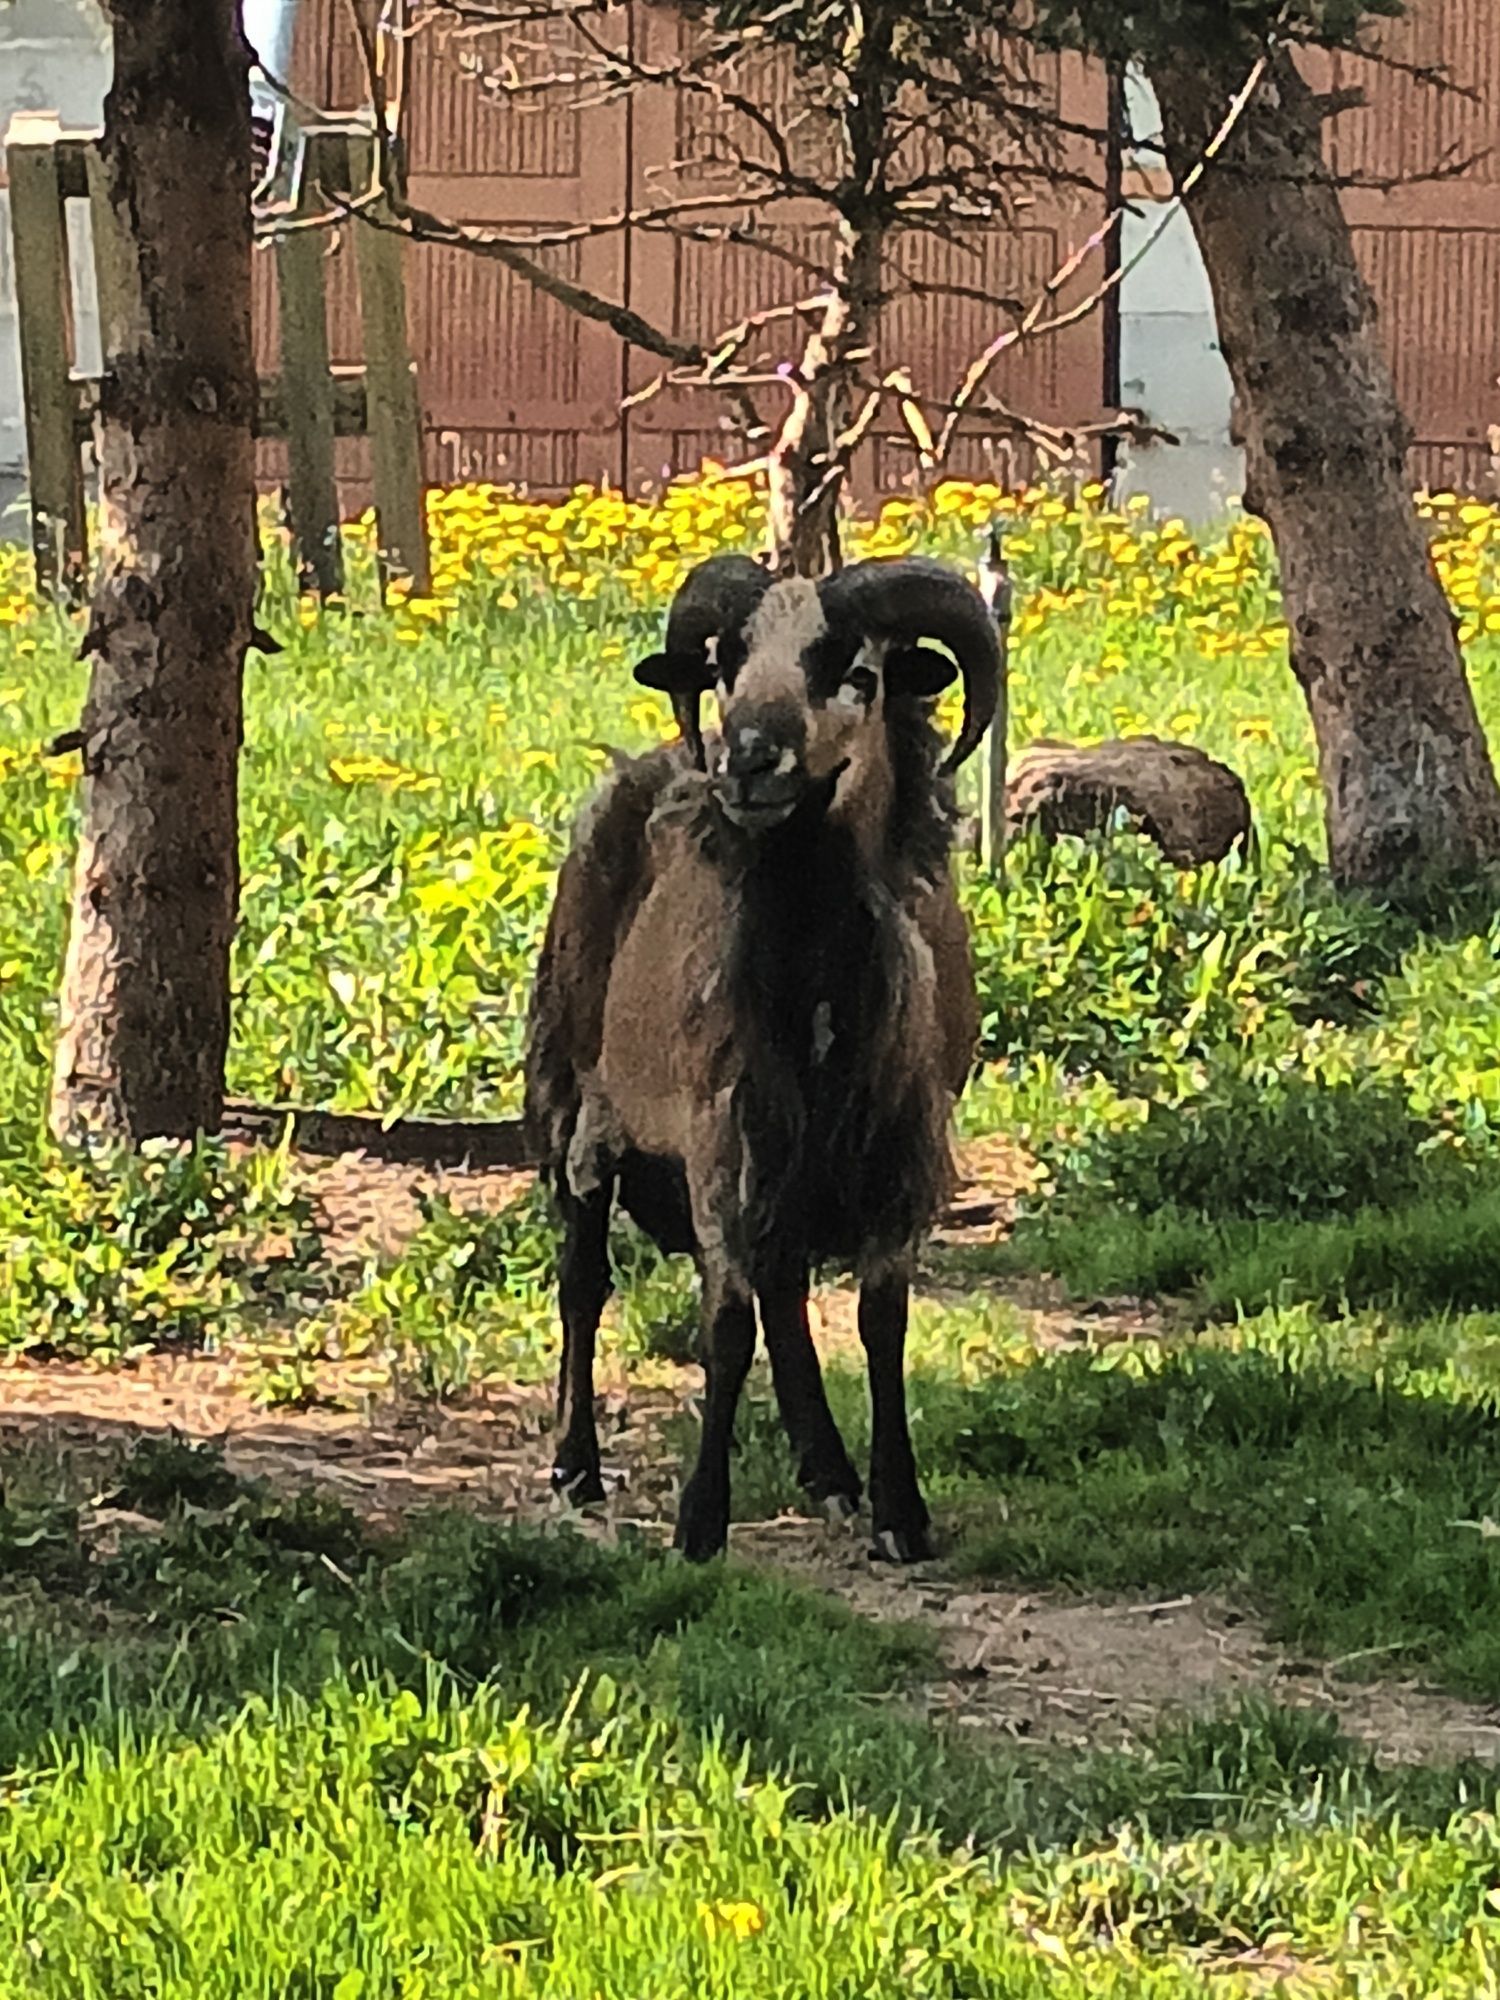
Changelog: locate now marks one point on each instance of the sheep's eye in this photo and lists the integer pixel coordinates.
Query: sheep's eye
(859, 687)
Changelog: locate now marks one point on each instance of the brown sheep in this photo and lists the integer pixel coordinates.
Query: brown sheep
(754, 1005)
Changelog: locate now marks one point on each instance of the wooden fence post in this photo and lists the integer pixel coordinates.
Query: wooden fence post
(39, 238)
(308, 405)
(117, 282)
(393, 410)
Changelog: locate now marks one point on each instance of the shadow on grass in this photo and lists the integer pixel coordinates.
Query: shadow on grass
(242, 1594)
(1358, 1513)
(1441, 1255)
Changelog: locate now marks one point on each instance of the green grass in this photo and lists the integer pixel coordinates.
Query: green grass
(1338, 1480)
(1358, 1513)
(263, 1751)
(257, 1752)
(1430, 1256)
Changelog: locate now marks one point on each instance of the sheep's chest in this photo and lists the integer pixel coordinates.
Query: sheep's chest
(839, 1108)
(773, 1031)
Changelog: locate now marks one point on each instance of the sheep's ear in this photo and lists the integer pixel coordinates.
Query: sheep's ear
(919, 671)
(671, 673)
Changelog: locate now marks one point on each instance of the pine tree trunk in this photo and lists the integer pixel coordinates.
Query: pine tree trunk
(145, 997)
(1409, 787)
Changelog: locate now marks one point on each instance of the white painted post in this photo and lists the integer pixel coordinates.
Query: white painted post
(998, 591)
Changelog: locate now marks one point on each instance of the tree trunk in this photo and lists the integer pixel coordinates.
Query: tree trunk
(145, 997)
(809, 463)
(803, 485)
(1410, 793)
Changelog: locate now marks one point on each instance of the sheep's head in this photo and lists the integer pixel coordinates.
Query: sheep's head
(804, 672)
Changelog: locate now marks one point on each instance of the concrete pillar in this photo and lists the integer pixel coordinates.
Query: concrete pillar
(1171, 367)
(270, 26)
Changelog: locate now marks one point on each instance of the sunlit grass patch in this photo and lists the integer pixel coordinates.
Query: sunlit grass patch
(270, 1752)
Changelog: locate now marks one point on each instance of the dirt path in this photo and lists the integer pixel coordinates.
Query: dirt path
(1028, 1665)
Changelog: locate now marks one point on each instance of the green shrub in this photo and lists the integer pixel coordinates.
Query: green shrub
(1103, 957)
(467, 1296)
(1262, 1145)
(178, 1244)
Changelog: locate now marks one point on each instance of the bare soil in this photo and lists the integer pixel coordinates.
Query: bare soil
(1076, 1672)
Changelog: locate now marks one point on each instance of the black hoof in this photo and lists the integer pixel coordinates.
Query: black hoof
(901, 1545)
(699, 1545)
(835, 1487)
(579, 1487)
(702, 1532)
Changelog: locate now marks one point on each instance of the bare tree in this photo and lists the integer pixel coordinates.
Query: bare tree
(913, 121)
(145, 1008)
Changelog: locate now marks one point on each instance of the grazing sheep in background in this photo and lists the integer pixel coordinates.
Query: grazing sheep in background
(754, 1005)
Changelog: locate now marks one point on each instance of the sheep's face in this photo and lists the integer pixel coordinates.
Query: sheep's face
(802, 706)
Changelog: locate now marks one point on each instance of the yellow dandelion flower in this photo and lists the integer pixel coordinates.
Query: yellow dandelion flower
(737, 1920)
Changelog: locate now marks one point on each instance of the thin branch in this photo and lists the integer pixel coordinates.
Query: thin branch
(946, 288)
(998, 416)
(1452, 167)
(737, 338)
(1034, 325)
(663, 217)
(745, 237)
(622, 320)
(273, 223)
(480, 18)
(422, 226)
(848, 441)
(1430, 76)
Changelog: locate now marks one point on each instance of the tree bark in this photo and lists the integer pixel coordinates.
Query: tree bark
(1410, 792)
(145, 996)
(803, 485)
(809, 462)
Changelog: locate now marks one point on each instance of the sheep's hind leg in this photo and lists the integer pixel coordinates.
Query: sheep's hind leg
(583, 1287)
(899, 1513)
(824, 1469)
(729, 1348)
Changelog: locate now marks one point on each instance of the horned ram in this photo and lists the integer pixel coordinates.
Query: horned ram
(754, 1005)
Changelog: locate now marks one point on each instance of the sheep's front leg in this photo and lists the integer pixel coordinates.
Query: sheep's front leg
(823, 1464)
(898, 1511)
(729, 1347)
(583, 1288)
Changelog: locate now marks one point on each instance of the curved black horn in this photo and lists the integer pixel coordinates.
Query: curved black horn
(909, 598)
(712, 598)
